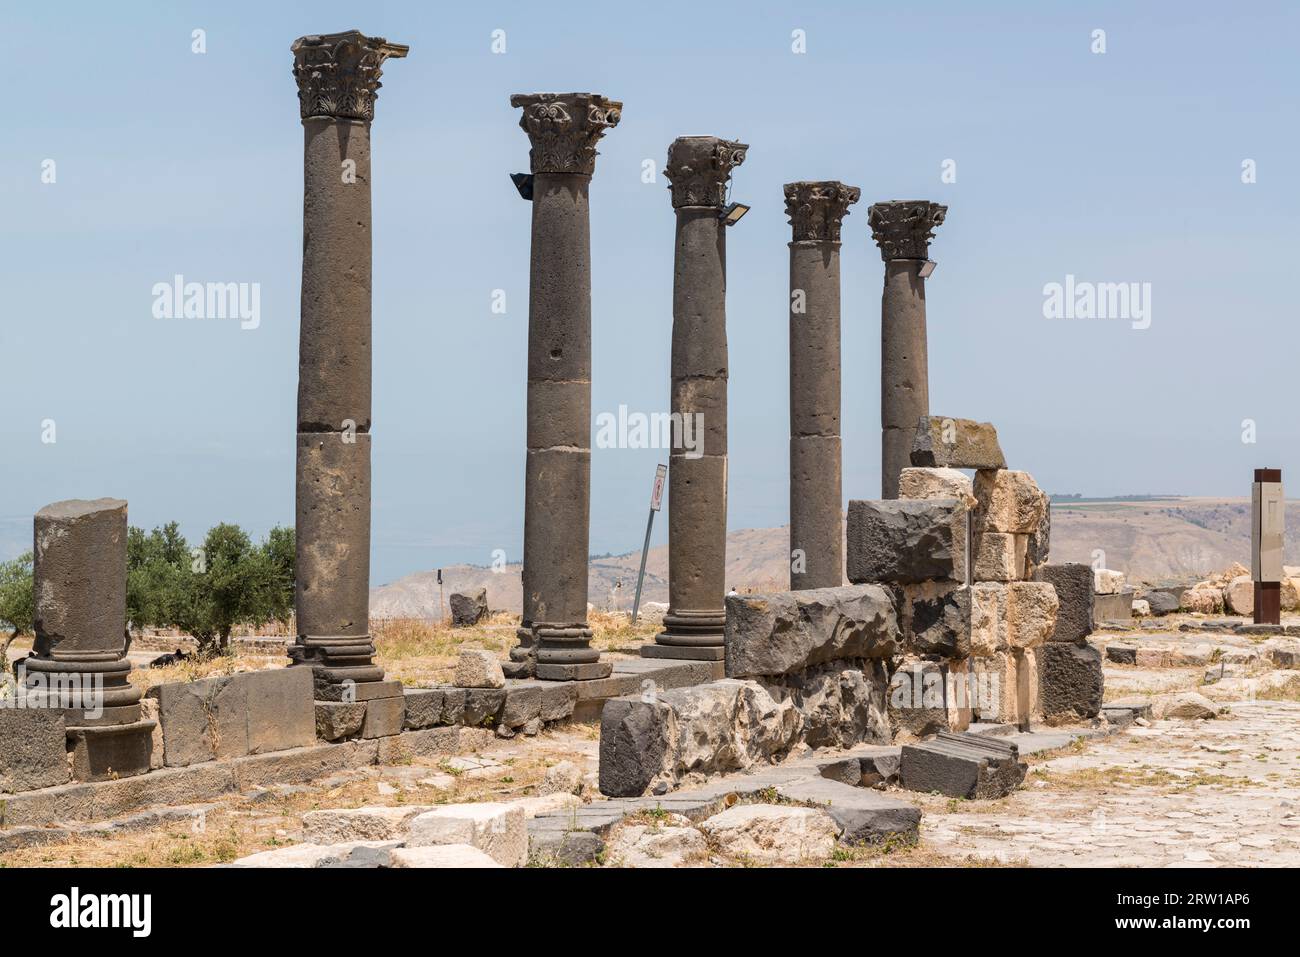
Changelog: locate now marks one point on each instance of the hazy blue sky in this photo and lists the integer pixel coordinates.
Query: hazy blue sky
(1117, 167)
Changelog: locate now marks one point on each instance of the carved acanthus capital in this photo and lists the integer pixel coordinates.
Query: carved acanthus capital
(338, 73)
(699, 168)
(903, 228)
(817, 210)
(564, 129)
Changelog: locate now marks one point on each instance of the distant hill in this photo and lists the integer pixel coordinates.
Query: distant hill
(1150, 539)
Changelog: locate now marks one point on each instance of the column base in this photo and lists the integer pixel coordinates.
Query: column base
(105, 753)
(523, 656)
(338, 660)
(589, 671)
(693, 629)
(685, 652)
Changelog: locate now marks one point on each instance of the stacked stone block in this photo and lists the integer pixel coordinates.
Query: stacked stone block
(1070, 679)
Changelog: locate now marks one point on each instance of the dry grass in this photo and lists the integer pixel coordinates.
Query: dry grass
(1111, 778)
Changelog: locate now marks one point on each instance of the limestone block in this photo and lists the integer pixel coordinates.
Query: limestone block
(1239, 595)
(772, 833)
(443, 855)
(932, 483)
(350, 854)
(1009, 501)
(1000, 556)
(1203, 599)
(1031, 613)
(338, 826)
(781, 632)
(498, 830)
(988, 623)
(905, 541)
(956, 443)
(1106, 581)
(477, 668)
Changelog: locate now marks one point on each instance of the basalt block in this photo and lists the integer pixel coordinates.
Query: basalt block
(33, 750)
(943, 442)
(1073, 582)
(936, 619)
(469, 608)
(918, 698)
(782, 632)
(974, 766)
(906, 542)
(1070, 681)
(234, 715)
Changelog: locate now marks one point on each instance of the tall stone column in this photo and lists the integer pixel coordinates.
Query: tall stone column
(78, 662)
(903, 229)
(816, 212)
(554, 638)
(699, 168)
(338, 80)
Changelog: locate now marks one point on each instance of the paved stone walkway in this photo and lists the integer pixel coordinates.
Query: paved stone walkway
(1176, 793)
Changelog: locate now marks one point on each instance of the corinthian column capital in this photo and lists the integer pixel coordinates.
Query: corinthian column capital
(699, 168)
(817, 210)
(903, 228)
(338, 73)
(564, 128)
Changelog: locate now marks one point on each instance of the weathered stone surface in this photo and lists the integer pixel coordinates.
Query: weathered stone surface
(1121, 654)
(351, 854)
(1009, 501)
(1112, 607)
(1070, 681)
(1107, 581)
(906, 541)
(671, 842)
(980, 767)
(33, 750)
(443, 855)
(384, 717)
(936, 483)
(477, 668)
(79, 577)
(1031, 613)
(837, 704)
(956, 443)
(1141, 608)
(571, 848)
(424, 707)
(483, 707)
(107, 752)
(231, 715)
(772, 834)
(339, 826)
(781, 632)
(468, 608)
(1074, 592)
(1000, 556)
(918, 698)
(936, 619)
(665, 737)
(498, 830)
(863, 816)
(988, 622)
(564, 777)
(1006, 687)
(1204, 599)
(337, 720)
(1040, 543)
(1188, 705)
(1239, 595)
(1163, 602)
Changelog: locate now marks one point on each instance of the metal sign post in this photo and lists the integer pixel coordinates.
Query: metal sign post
(1267, 525)
(656, 499)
